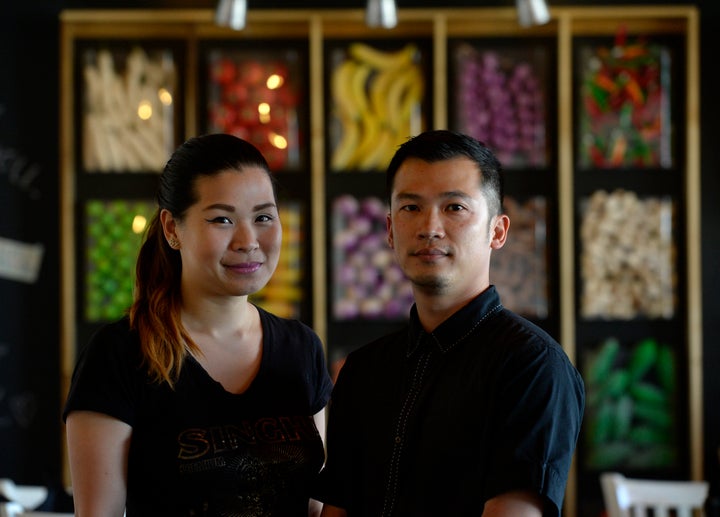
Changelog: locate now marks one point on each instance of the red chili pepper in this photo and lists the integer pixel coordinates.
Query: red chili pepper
(592, 107)
(621, 36)
(634, 51)
(604, 82)
(634, 92)
(596, 156)
(618, 150)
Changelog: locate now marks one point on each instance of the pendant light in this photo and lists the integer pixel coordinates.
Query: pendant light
(532, 12)
(231, 13)
(381, 13)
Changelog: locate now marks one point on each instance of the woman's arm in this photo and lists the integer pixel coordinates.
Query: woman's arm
(514, 504)
(316, 506)
(332, 511)
(98, 447)
(319, 419)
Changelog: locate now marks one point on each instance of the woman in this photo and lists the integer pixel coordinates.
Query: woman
(198, 402)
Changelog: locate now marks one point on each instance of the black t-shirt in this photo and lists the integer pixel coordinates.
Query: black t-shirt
(200, 450)
(436, 424)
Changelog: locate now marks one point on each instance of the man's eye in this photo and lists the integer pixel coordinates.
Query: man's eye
(409, 208)
(455, 208)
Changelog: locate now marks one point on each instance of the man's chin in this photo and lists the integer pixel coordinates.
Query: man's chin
(430, 284)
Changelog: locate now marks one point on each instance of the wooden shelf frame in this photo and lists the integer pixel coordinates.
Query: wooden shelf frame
(317, 26)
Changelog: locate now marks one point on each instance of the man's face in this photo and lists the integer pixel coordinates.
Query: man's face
(440, 228)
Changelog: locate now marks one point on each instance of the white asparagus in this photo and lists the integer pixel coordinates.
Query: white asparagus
(117, 139)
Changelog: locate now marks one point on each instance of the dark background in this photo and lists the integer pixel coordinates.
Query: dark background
(30, 425)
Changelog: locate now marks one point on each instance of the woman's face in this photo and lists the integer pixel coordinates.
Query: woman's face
(230, 239)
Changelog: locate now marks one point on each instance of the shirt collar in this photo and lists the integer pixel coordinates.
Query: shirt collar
(458, 326)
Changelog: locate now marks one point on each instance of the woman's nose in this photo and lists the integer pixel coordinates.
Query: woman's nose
(244, 238)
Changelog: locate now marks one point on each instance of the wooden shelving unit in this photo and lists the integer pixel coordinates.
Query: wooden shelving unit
(186, 31)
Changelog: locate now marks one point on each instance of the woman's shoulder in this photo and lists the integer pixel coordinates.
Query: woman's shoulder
(114, 339)
(283, 324)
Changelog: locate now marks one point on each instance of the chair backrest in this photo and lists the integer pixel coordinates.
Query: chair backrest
(627, 497)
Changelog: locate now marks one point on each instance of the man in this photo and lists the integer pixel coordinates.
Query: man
(470, 409)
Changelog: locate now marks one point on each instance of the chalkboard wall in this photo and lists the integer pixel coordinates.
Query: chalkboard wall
(30, 425)
(29, 320)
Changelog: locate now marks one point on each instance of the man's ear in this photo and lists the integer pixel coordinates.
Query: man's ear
(499, 231)
(388, 226)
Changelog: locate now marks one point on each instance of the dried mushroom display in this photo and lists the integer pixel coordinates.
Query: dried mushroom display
(627, 256)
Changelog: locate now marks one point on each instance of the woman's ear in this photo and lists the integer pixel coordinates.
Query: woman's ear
(168, 223)
(499, 231)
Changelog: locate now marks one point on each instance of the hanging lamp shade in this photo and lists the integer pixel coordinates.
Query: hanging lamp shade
(231, 13)
(381, 13)
(532, 12)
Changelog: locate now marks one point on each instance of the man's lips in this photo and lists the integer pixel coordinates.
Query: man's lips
(429, 253)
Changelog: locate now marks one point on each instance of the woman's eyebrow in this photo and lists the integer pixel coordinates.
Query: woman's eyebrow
(220, 206)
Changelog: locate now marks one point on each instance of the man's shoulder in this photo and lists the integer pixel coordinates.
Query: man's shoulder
(522, 327)
(391, 343)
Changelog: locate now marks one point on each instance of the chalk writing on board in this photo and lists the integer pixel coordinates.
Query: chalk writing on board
(20, 261)
(19, 169)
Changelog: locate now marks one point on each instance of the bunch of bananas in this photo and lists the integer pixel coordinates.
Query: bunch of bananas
(377, 98)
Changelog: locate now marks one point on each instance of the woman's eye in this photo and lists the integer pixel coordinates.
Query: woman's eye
(221, 219)
(264, 218)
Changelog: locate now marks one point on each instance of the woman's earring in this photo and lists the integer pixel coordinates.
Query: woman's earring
(174, 243)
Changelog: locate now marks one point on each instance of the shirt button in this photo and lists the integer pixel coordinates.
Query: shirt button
(398, 439)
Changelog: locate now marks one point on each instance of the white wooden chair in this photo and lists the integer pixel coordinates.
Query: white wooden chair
(627, 497)
(27, 496)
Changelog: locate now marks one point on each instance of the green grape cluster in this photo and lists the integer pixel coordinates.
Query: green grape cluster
(114, 231)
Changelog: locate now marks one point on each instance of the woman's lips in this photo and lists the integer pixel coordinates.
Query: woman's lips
(245, 267)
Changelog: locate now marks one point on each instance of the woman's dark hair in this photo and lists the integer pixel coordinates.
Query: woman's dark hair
(155, 313)
(439, 145)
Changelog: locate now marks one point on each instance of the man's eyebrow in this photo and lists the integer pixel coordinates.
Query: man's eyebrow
(456, 193)
(447, 195)
(407, 196)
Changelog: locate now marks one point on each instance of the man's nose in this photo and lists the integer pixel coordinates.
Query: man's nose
(431, 226)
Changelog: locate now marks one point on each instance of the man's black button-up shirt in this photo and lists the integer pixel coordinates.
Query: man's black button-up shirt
(438, 423)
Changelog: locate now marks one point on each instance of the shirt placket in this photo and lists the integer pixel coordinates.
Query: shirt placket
(417, 377)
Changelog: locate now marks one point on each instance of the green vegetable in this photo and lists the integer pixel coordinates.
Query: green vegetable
(657, 417)
(610, 455)
(646, 392)
(603, 425)
(647, 435)
(643, 358)
(617, 383)
(623, 416)
(665, 369)
(603, 362)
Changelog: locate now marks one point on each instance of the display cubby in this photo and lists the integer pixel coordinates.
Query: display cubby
(570, 167)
